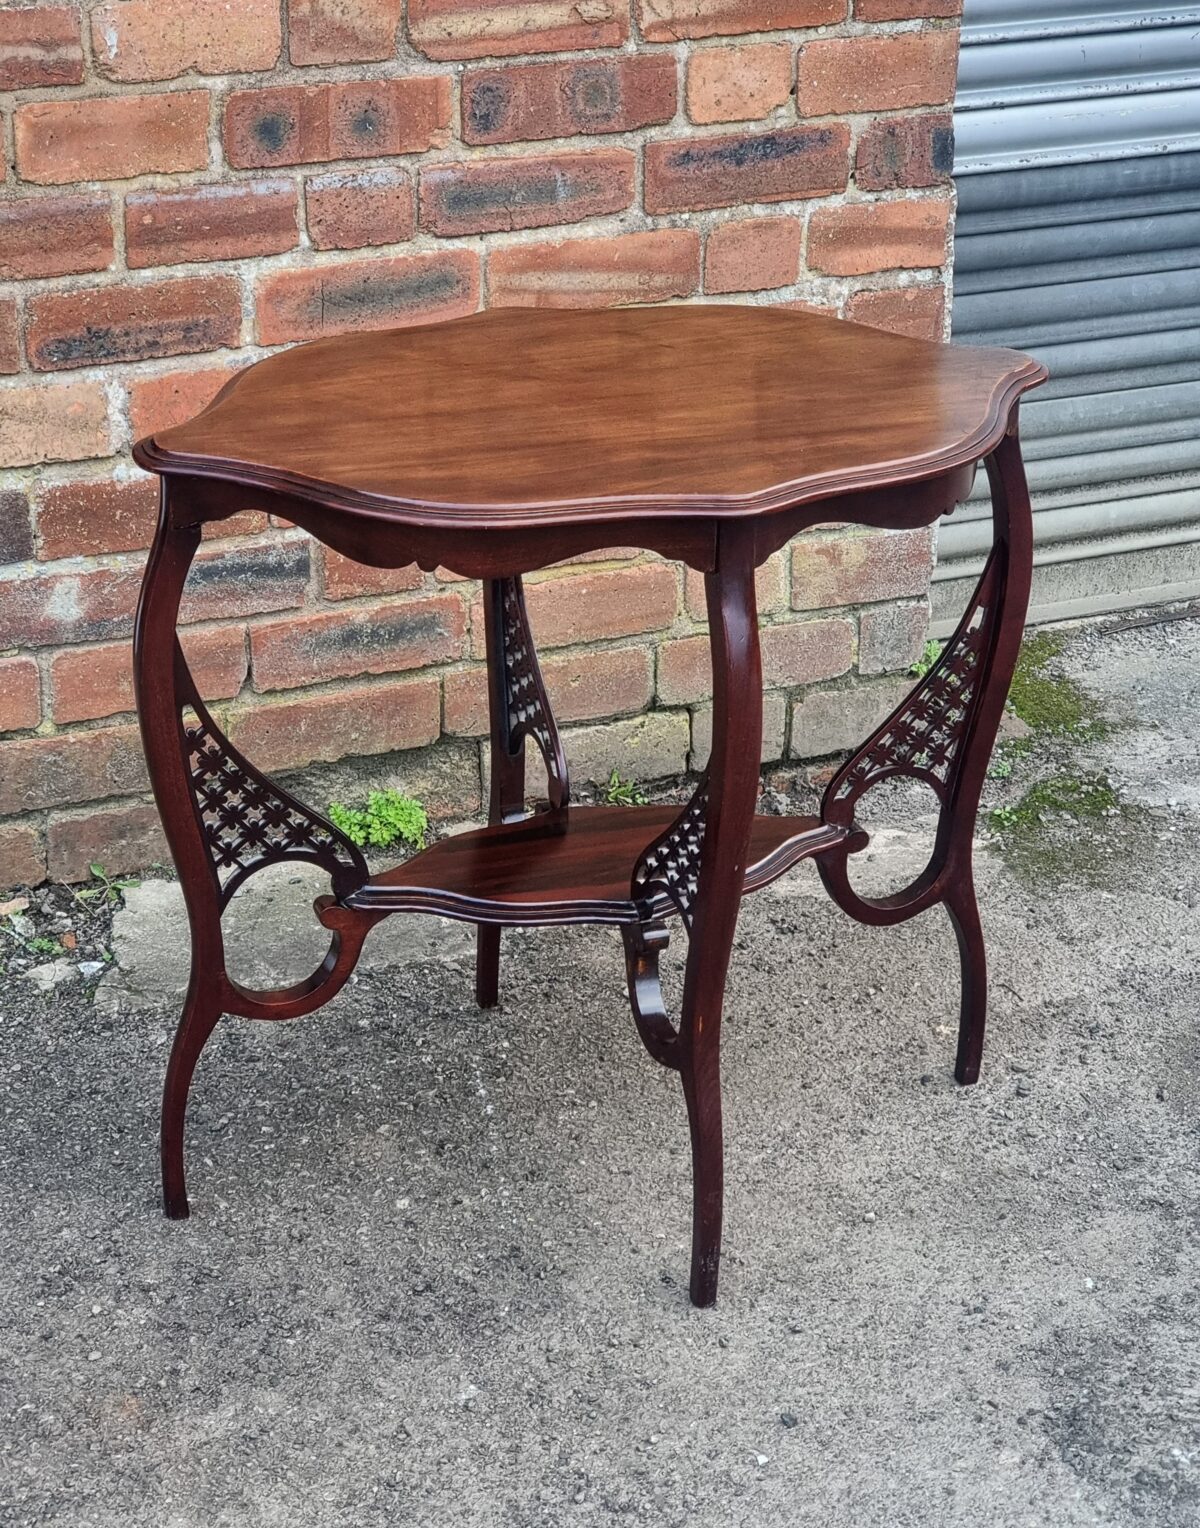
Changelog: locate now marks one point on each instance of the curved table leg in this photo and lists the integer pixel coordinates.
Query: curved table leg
(728, 815)
(518, 707)
(943, 734)
(160, 700)
(223, 820)
(201, 1010)
(963, 909)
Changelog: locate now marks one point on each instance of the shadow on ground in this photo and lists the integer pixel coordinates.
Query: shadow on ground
(436, 1270)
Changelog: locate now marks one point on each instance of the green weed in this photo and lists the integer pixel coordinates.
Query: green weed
(620, 792)
(387, 817)
(109, 890)
(932, 652)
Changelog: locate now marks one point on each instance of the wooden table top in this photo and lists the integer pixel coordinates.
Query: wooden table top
(518, 417)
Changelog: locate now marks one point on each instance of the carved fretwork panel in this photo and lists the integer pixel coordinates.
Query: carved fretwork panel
(249, 822)
(925, 737)
(670, 866)
(528, 713)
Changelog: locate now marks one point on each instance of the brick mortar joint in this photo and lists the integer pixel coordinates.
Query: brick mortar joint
(245, 270)
(133, 559)
(298, 174)
(409, 60)
(410, 64)
(303, 256)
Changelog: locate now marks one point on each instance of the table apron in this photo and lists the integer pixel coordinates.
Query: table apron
(385, 542)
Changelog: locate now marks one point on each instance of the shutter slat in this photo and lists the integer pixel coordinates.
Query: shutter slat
(1078, 239)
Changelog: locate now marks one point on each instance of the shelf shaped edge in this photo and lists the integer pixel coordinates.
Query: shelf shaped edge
(556, 868)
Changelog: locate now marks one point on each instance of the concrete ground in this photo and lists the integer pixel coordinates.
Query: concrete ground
(436, 1270)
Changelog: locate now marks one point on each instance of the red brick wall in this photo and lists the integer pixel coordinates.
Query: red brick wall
(187, 182)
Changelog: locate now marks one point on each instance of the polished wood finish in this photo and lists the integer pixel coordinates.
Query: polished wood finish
(732, 777)
(569, 866)
(518, 708)
(512, 440)
(521, 418)
(943, 734)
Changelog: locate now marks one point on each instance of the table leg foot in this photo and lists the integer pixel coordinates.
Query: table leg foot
(702, 1092)
(972, 1018)
(200, 1015)
(487, 965)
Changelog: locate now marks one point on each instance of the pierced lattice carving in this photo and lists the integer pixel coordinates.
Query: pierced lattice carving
(924, 737)
(528, 705)
(249, 822)
(670, 866)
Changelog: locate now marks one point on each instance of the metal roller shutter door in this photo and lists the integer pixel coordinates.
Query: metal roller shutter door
(1078, 239)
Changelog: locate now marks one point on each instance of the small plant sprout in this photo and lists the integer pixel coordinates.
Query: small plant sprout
(109, 890)
(929, 656)
(387, 817)
(620, 792)
(29, 945)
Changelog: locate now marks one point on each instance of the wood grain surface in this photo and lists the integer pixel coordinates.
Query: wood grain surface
(523, 418)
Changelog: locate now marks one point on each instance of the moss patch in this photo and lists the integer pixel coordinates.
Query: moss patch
(1049, 702)
(1069, 828)
(1058, 816)
(1059, 796)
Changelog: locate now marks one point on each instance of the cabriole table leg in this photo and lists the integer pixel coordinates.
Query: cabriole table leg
(730, 798)
(223, 821)
(160, 699)
(943, 734)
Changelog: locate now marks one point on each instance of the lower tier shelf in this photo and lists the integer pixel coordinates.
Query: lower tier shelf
(571, 866)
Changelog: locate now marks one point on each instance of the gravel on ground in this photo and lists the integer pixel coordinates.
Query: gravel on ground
(437, 1264)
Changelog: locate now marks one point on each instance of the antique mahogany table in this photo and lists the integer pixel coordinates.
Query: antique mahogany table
(513, 439)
